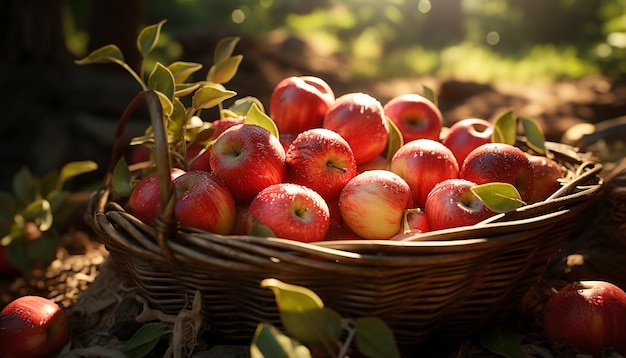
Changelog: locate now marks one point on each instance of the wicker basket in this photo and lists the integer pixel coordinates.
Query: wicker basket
(442, 284)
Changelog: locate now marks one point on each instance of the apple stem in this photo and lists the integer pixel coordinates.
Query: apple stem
(343, 170)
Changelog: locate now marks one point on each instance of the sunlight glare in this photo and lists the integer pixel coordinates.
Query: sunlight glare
(424, 6)
(492, 38)
(238, 16)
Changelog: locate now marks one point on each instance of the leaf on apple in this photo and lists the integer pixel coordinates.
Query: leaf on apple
(502, 341)
(499, 197)
(148, 38)
(374, 338)
(534, 135)
(505, 128)
(395, 140)
(121, 180)
(430, 95)
(270, 342)
(241, 106)
(182, 70)
(145, 339)
(256, 116)
(210, 95)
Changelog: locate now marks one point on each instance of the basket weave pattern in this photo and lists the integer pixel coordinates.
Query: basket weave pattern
(445, 283)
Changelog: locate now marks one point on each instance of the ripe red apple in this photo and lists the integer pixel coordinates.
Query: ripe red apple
(373, 202)
(203, 201)
(360, 119)
(452, 203)
(202, 161)
(290, 211)
(423, 163)
(589, 315)
(286, 139)
(299, 103)
(415, 116)
(145, 199)
(467, 134)
(248, 158)
(32, 326)
(239, 227)
(546, 174)
(500, 162)
(415, 220)
(321, 160)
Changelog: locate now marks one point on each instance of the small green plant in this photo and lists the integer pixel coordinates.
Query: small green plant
(32, 216)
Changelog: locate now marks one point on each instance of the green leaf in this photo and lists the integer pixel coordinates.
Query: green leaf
(210, 96)
(121, 180)
(166, 105)
(148, 38)
(18, 257)
(183, 70)
(40, 212)
(534, 135)
(162, 80)
(145, 339)
(374, 338)
(303, 315)
(184, 89)
(25, 186)
(260, 230)
(257, 117)
(177, 119)
(395, 140)
(224, 71)
(44, 249)
(505, 129)
(241, 106)
(430, 94)
(105, 54)
(499, 197)
(56, 198)
(224, 49)
(502, 341)
(73, 169)
(269, 342)
(8, 207)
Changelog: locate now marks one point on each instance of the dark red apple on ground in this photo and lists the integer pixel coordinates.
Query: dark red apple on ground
(452, 203)
(423, 163)
(373, 202)
(415, 116)
(145, 199)
(299, 103)
(289, 211)
(203, 201)
(248, 158)
(321, 160)
(33, 327)
(467, 134)
(546, 174)
(500, 162)
(589, 315)
(360, 119)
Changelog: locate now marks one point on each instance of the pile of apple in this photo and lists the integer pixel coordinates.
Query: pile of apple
(347, 167)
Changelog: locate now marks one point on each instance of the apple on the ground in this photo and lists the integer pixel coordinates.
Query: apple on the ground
(32, 326)
(500, 162)
(423, 163)
(144, 201)
(203, 201)
(360, 119)
(373, 202)
(467, 134)
(589, 315)
(248, 158)
(546, 174)
(452, 203)
(416, 116)
(288, 211)
(298, 103)
(321, 160)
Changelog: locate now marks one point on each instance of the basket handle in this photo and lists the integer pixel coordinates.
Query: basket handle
(166, 223)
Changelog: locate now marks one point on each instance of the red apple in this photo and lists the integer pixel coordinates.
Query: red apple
(299, 103)
(415, 116)
(248, 158)
(452, 203)
(321, 160)
(500, 162)
(423, 163)
(380, 162)
(373, 202)
(286, 139)
(589, 315)
(139, 154)
(145, 199)
(546, 174)
(198, 157)
(415, 220)
(360, 119)
(32, 326)
(239, 227)
(290, 211)
(467, 134)
(203, 201)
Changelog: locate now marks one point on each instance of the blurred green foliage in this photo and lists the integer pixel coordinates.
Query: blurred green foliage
(521, 40)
